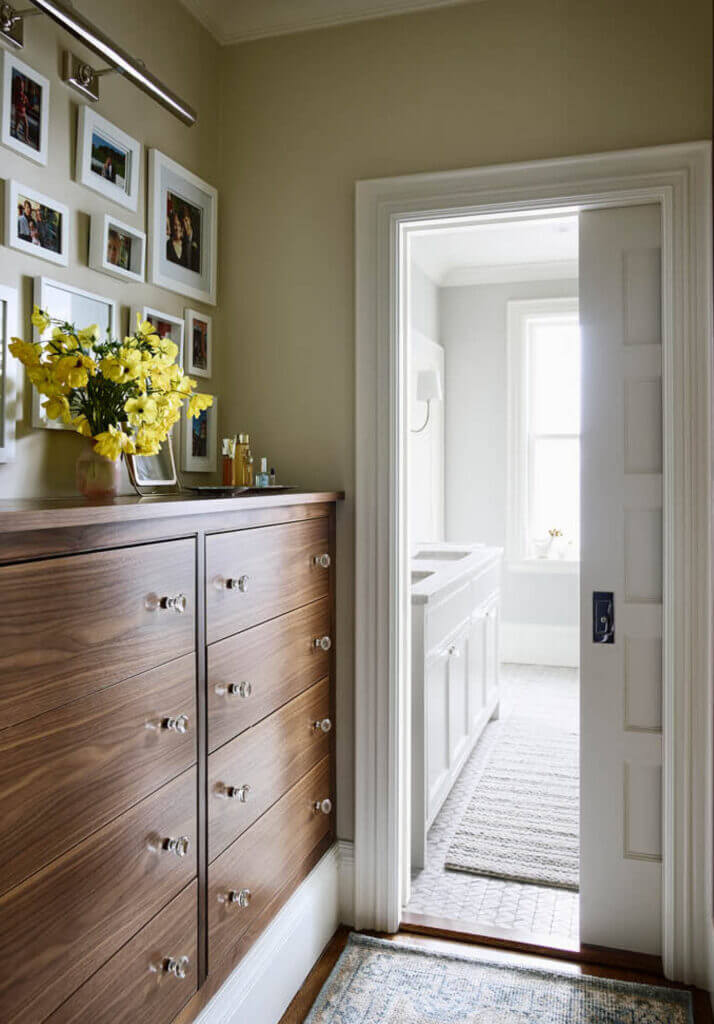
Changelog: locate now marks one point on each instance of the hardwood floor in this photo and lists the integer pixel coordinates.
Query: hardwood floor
(304, 999)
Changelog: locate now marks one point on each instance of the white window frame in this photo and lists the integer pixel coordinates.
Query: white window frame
(520, 313)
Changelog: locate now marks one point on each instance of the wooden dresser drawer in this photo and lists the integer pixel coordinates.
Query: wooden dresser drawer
(247, 775)
(69, 626)
(264, 861)
(252, 674)
(254, 575)
(64, 922)
(67, 772)
(149, 979)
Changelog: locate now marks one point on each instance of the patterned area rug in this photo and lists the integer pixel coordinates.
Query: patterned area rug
(380, 982)
(522, 821)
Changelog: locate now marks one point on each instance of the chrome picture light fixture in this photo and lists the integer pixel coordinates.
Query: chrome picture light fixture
(77, 72)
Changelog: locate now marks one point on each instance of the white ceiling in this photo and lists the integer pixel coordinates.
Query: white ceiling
(235, 21)
(532, 249)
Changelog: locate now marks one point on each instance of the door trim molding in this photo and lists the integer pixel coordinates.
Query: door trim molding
(679, 179)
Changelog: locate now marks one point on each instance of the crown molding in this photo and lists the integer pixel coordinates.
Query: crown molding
(263, 26)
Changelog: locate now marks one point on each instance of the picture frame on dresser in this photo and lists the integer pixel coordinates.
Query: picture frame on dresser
(25, 108)
(116, 248)
(149, 473)
(9, 392)
(75, 305)
(200, 440)
(36, 224)
(183, 230)
(108, 160)
(199, 343)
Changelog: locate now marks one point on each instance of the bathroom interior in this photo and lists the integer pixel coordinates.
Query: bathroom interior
(493, 482)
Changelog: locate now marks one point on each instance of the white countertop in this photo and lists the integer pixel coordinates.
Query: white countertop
(445, 564)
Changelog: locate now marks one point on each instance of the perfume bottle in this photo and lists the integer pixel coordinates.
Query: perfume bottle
(263, 478)
(228, 451)
(272, 476)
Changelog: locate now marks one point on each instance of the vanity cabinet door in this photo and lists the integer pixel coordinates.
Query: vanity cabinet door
(437, 716)
(458, 698)
(492, 655)
(476, 669)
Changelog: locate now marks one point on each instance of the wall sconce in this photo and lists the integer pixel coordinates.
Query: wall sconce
(428, 390)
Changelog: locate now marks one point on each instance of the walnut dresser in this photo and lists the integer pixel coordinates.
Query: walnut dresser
(166, 744)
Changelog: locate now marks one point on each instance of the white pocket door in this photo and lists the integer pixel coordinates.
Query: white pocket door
(621, 511)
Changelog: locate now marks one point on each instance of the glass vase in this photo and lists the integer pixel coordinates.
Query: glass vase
(96, 475)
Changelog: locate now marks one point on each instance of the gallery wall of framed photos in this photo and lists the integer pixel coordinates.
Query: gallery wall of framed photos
(82, 209)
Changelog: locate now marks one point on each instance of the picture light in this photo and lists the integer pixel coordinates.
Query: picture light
(77, 72)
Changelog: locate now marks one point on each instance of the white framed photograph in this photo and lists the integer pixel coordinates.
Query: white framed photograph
(183, 230)
(200, 440)
(116, 248)
(36, 224)
(10, 399)
(108, 160)
(199, 343)
(76, 306)
(165, 324)
(25, 108)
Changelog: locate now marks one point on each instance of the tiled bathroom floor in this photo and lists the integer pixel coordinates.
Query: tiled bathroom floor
(536, 692)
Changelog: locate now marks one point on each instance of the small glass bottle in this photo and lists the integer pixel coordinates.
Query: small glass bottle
(272, 476)
(263, 478)
(228, 452)
(248, 475)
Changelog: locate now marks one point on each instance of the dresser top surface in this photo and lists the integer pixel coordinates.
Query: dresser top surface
(51, 513)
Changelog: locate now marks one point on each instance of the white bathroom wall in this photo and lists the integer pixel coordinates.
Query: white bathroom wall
(539, 608)
(426, 449)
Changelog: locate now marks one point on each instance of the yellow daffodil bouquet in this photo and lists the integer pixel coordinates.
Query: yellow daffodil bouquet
(125, 395)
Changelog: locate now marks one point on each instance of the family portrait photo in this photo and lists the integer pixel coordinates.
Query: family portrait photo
(108, 160)
(200, 344)
(199, 341)
(25, 108)
(183, 233)
(39, 225)
(119, 248)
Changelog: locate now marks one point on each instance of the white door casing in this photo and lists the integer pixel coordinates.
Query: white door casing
(621, 551)
(678, 179)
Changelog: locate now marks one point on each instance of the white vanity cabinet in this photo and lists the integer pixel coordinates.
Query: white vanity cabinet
(455, 606)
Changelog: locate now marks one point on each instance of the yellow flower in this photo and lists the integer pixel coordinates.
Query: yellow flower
(74, 370)
(168, 349)
(25, 351)
(141, 410)
(144, 327)
(147, 441)
(123, 367)
(197, 403)
(57, 408)
(40, 319)
(81, 425)
(42, 377)
(112, 442)
(89, 335)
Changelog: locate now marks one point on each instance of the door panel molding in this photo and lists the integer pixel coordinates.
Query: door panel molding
(679, 179)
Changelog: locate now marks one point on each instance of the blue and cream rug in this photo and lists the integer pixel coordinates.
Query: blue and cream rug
(381, 982)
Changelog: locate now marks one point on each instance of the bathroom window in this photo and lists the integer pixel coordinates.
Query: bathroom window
(544, 434)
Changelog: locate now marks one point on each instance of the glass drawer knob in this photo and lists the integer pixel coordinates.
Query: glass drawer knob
(179, 846)
(323, 806)
(238, 584)
(244, 689)
(323, 725)
(178, 603)
(324, 561)
(179, 723)
(237, 792)
(240, 897)
(177, 965)
(322, 643)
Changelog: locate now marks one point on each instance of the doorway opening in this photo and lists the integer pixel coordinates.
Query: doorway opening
(494, 386)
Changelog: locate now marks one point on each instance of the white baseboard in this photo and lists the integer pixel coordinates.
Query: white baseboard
(528, 644)
(260, 988)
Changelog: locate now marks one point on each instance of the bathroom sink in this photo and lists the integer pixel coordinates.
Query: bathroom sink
(418, 576)
(442, 555)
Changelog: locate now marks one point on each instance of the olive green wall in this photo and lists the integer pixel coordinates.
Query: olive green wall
(305, 116)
